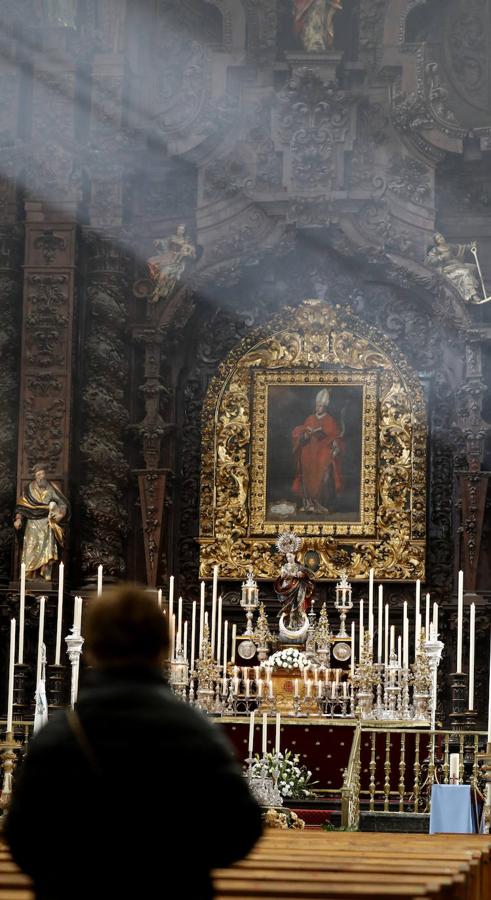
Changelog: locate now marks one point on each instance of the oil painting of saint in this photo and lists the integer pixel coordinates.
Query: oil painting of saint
(315, 437)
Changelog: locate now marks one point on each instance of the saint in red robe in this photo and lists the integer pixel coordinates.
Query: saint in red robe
(318, 446)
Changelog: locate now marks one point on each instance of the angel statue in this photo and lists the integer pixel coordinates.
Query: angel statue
(448, 259)
(168, 266)
(314, 22)
(294, 588)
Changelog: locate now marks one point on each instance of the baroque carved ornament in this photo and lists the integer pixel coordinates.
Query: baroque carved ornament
(315, 348)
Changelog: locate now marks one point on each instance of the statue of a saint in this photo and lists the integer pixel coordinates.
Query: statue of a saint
(168, 266)
(41, 508)
(314, 22)
(449, 260)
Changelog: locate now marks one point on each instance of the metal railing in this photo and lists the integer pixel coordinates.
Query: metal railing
(394, 769)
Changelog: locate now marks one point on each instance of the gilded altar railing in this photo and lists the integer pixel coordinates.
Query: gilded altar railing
(393, 769)
(350, 792)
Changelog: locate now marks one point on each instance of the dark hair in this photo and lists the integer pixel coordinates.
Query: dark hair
(125, 626)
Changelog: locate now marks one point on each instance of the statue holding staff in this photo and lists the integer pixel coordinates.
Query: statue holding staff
(40, 510)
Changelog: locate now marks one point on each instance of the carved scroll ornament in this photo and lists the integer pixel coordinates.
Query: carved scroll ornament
(315, 344)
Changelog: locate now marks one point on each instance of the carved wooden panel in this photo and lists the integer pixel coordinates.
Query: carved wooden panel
(47, 338)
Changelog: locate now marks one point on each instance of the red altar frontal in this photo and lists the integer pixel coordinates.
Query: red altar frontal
(323, 746)
(388, 756)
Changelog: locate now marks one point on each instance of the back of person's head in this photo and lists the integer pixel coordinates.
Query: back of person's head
(125, 626)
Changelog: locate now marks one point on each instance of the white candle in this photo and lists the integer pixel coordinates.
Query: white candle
(472, 652)
(59, 614)
(427, 618)
(399, 651)
(277, 734)
(219, 630)
(22, 611)
(172, 631)
(10, 698)
(214, 598)
(353, 650)
(295, 687)
(77, 615)
(460, 619)
(380, 622)
(159, 597)
(185, 640)
(225, 647)
(201, 616)
(99, 581)
(417, 630)
(370, 609)
(42, 604)
(234, 641)
(435, 620)
(309, 687)
(179, 618)
(259, 688)
(405, 632)
(265, 734)
(251, 734)
(193, 636)
(454, 768)
(386, 635)
(171, 596)
(392, 639)
(319, 689)
(489, 698)
(270, 684)
(361, 628)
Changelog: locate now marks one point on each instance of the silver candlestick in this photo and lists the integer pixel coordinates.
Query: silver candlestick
(74, 643)
(250, 602)
(343, 603)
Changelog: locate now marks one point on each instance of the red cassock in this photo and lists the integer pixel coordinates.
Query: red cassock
(301, 7)
(315, 455)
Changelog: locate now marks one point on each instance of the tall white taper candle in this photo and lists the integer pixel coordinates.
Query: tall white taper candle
(22, 611)
(225, 647)
(99, 581)
(427, 618)
(185, 640)
(353, 650)
(234, 641)
(201, 615)
(214, 599)
(386, 635)
(380, 622)
(460, 619)
(193, 637)
(219, 631)
(417, 612)
(59, 614)
(10, 696)
(277, 734)
(361, 629)
(472, 653)
(251, 733)
(265, 734)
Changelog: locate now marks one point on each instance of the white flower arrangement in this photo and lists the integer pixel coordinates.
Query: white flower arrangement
(293, 780)
(291, 658)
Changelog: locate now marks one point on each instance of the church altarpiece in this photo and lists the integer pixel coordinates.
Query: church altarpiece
(383, 525)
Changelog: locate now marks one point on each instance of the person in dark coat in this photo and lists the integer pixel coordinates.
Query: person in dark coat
(138, 791)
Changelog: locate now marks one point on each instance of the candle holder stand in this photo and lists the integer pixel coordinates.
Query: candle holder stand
(56, 686)
(343, 603)
(74, 643)
(7, 749)
(21, 671)
(249, 602)
(458, 682)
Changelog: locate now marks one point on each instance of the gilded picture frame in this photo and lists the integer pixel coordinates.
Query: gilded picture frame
(314, 348)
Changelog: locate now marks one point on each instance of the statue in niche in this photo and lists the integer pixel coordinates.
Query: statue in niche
(449, 259)
(314, 23)
(294, 588)
(168, 266)
(40, 511)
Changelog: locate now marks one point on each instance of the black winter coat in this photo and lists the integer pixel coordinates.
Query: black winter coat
(170, 805)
